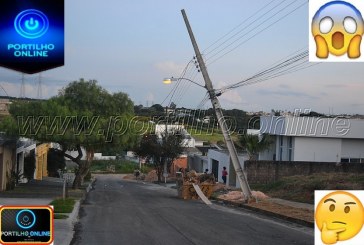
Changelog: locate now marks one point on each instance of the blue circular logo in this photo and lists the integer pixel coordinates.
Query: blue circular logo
(31, 23)
(25, 219)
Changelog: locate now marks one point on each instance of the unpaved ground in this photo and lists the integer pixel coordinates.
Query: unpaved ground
(265, 203)
(297, 213)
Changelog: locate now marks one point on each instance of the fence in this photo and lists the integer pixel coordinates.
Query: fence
(270, 171)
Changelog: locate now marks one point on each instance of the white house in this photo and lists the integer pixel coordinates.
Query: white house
(187, 141)
(217, 159)
(313, 139)
(24, 146)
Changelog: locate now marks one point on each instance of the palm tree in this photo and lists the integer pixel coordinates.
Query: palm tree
(254, 144)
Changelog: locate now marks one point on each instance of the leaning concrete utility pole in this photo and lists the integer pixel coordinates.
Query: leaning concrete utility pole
(220, 117)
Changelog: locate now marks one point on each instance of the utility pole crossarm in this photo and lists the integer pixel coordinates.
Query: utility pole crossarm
(220, 117)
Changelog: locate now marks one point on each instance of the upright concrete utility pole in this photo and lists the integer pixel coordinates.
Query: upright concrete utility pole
(220, 117)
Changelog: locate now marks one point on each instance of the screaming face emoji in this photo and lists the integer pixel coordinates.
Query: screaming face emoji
(338, 28)
(339, 216)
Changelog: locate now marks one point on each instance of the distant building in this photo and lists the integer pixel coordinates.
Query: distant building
(187, 141)
(313, 139)
(4, 107)
(99, 156)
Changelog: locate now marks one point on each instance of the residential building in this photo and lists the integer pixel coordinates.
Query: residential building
(217, 159)
(187, 141)
(7, 161)
(23, 147)
(313, 139)
(197, 162)
(41, 161)
(197, 157)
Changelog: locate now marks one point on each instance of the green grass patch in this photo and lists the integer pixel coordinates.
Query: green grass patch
(121, 166)
(63, 206)
(212, 136)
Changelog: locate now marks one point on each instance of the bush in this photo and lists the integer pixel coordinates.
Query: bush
(121, 166)
(55, 162)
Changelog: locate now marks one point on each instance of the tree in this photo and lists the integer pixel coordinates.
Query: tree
(29, 165)
(82, 115)
(173, 105)
(162, 150)
(254, 144)
(55, 162)
(158, 108)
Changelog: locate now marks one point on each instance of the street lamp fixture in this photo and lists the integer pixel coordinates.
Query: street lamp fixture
(167, 80)
(173, 79)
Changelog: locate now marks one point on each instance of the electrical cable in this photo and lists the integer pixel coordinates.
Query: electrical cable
(236, 27)
(246, 40)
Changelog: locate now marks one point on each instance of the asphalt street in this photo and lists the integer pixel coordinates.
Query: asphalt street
(125, 212)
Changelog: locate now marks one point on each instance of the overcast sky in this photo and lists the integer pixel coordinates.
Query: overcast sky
(131, 45)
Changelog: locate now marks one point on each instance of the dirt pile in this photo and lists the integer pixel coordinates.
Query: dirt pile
(151, 176)
(129, 177)
(237, 196)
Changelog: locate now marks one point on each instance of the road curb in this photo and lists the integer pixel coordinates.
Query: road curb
(268, 213)
(73, 217)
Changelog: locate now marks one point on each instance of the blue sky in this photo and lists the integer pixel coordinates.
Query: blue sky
(130, 46)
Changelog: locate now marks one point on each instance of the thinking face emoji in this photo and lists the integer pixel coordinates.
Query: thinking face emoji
(339, 216)
(338, 28)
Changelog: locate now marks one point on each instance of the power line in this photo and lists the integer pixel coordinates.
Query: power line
(292, 64)
(39, 90)
(183, 85)
(203, 102)
(175, 86)
(251, 24)
(4, 90)
(249, 38)
(232, 30)
(271, 70)
(186, 85)
(22, 86)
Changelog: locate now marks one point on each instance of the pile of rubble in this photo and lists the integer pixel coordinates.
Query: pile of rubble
(186, 190)
(193, 177)
(237, 196)
(151, 176)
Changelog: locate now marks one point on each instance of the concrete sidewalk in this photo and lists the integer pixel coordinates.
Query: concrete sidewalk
(63, 228)
(24, 201)
(46, 191)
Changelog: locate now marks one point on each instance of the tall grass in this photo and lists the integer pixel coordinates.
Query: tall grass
(302, 188)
